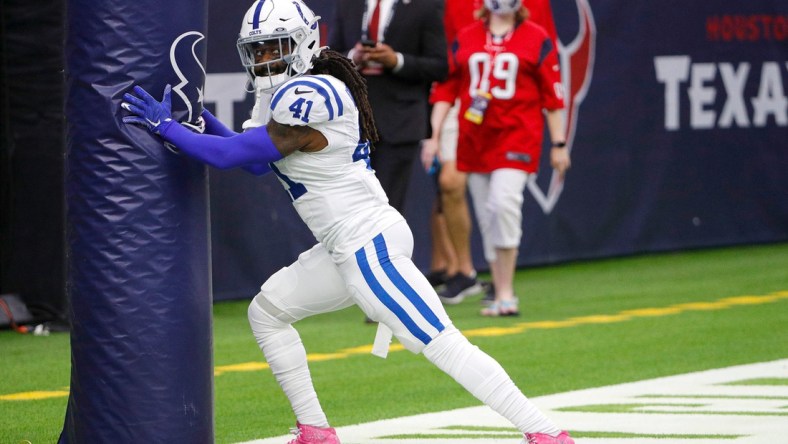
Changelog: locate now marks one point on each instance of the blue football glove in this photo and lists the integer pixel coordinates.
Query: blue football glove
(146, 110)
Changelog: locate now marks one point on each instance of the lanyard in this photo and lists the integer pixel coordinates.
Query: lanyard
(365, 21)
(493, 48)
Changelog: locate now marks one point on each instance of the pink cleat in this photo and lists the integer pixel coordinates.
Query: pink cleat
(543, 438)
(306, 434)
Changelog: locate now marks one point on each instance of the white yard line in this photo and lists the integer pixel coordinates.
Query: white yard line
(698, 404)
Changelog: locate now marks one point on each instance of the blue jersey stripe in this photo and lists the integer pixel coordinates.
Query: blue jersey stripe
(295, 189)
(403, 286)
(386, 299)
(308, 83)
(340, 106)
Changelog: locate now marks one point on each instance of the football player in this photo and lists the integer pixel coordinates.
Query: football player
(318, 110)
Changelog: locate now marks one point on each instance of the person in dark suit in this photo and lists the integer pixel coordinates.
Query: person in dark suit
(400, 48)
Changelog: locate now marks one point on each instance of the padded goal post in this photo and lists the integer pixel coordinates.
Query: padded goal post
(138, 247)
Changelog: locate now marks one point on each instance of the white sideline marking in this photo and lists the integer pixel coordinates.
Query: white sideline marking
(753, 417)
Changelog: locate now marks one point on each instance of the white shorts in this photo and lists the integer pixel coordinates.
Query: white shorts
(450, 131)
(380, 278)
(498, 202)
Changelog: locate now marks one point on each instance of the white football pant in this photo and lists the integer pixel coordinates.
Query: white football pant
(383, 281)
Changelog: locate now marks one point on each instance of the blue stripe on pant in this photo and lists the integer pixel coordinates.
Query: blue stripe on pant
(402, 285)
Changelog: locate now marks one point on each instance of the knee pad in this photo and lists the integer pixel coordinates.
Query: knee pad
(264, 316)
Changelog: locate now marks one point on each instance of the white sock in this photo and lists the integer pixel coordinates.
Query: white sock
(286, 355)
(485, 379)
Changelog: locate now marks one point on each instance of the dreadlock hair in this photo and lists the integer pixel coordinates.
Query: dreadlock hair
(335, 64)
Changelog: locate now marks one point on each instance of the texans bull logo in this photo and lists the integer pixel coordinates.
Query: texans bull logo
(191, 75)
(577, 64)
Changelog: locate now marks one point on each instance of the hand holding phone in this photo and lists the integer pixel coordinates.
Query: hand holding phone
(369, 66)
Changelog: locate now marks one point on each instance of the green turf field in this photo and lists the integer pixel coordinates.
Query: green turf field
(583, 325)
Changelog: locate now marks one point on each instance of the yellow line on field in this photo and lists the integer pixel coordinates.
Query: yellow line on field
(625, 315)
(32, 396)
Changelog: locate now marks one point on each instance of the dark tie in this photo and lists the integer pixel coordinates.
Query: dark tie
(372, 31)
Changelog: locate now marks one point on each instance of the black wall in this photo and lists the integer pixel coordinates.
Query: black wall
(31, 181)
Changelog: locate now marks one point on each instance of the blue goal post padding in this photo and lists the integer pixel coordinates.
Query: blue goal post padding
(137, 229)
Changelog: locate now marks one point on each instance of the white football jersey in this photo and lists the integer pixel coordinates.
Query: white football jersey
(334, 190)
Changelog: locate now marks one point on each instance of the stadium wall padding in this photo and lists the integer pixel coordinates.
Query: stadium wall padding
(677, 130)
(138, 250)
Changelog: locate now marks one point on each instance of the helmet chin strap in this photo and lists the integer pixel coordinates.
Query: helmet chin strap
(249, 86)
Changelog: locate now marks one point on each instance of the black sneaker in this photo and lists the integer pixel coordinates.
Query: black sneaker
(436, 278)
(458, 287)
(489, 293)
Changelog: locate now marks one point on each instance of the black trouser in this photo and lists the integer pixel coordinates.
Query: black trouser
(393, 164)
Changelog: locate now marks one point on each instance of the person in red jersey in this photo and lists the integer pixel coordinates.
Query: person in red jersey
(452, 264)
(505, 73)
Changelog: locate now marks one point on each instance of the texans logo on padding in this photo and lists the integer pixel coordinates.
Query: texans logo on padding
(577, 65)
(190, 72)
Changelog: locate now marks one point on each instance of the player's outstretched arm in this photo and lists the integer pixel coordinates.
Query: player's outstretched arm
(250, 149)
(217, 128)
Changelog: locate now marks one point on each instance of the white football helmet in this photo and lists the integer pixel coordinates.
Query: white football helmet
(503, 6)
(278, 40)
